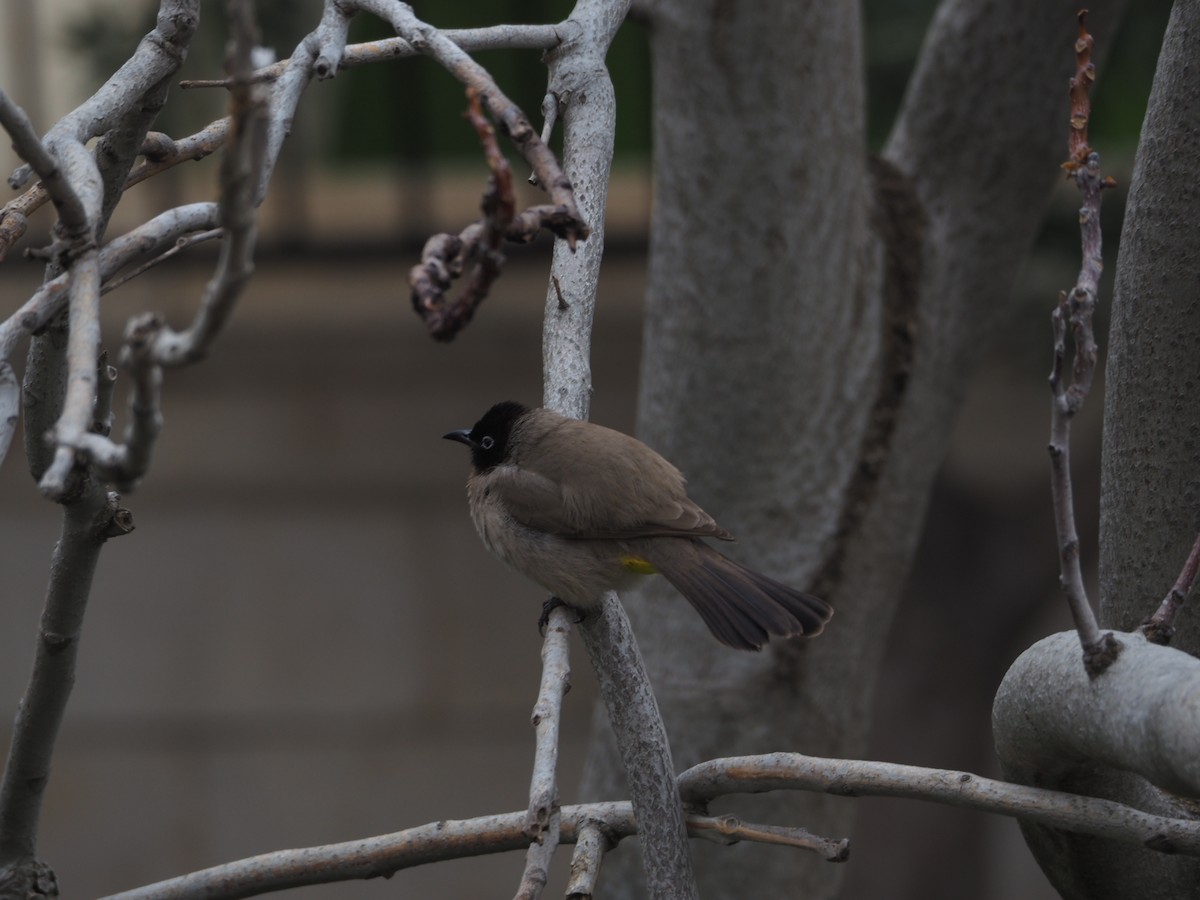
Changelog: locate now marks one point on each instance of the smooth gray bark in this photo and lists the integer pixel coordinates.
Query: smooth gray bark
(811, 323)
(1129, 734)
(1150, 513)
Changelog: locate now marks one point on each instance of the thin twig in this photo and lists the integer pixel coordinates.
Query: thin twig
(512, 121)
(159, 153)
(591, 843)
(1160, 627)
(1073, 313)
(241, 168)
(162, 232)
(729, 829)
(472, 40)
(181, 244)
(867, 778)
(483, 242)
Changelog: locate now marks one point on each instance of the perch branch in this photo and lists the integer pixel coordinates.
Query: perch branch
(601, 825)
(577, 71)
(384, 855)
(547, 716)
(543, 820)
(1074, 313)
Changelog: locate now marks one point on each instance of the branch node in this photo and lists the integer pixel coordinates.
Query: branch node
(1101, 654)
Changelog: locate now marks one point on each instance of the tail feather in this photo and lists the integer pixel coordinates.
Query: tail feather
(741, 607)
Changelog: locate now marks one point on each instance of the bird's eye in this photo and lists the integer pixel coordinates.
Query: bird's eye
(487, 442)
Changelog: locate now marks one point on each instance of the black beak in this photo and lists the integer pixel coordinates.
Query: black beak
(463, 436)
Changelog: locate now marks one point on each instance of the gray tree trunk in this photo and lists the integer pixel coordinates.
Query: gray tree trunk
(1150, 488)
(1151, 473)
(811, 319)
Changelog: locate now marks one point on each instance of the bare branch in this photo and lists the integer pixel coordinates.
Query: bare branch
(598, 826)
(731, 829)
(645, 749)
(577, 71)
(591, 843)
(157, 57)
(445, 256)
(83, 349)
(126, 464)
(241, 170)
(9, 405)
(547, 716)
(862, 778)
(512, 120)
(493, 37)
(152, 238)
(537, 860)
(30, 148)
(1160, 627)
(331, 39)
(87, 524)
(159, 153)
(1074, 311)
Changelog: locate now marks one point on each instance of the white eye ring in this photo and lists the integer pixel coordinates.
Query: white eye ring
(487, 442)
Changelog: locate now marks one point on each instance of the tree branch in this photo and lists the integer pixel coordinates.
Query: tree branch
(547, 715)
(156, 58)
(1074, 310)
(472, 40)
(87, 524)
(591, 843)
(1159, 628)
(146, 240)
(595, 827)
(577, 71)
(10, 405)
(511, 119)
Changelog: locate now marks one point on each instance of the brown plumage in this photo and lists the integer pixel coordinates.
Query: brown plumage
(582, 509)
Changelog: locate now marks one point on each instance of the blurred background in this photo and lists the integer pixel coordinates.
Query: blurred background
(304, 641)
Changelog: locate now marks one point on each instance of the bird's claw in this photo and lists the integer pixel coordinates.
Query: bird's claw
(548, 607)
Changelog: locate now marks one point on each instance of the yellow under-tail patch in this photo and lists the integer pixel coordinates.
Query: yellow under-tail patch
(638, 565)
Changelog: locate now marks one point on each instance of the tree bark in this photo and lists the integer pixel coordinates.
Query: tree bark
(1150, 479)
(1149, 519)
(811, 319)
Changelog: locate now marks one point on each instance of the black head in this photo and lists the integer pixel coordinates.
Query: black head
(488, 438)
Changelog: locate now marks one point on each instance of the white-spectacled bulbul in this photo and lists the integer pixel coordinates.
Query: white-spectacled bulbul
(582, 509)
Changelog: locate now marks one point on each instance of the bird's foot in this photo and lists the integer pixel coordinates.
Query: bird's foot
(548, 607)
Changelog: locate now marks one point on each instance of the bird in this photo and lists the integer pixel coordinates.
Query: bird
(581, 509)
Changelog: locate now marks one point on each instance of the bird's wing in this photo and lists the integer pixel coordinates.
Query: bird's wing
(580, 504)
